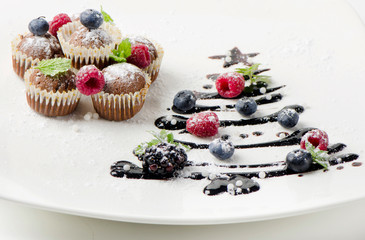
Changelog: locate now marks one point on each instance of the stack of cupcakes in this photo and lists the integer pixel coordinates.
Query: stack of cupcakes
(116, 72)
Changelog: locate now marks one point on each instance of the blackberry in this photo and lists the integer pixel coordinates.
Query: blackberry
(163, 160)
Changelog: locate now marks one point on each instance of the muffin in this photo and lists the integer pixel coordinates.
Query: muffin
(89, 41)
(156, 53)
(124, 92)
(29, 49)
(51, 95)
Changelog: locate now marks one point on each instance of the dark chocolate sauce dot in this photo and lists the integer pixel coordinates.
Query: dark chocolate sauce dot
(208, 86)
(257, 133)
(356, 164)
(300, 175)
(244, 135)
(168, 109)
(340, 167)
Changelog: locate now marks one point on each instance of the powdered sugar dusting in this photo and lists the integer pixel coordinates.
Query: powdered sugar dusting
(121, 70)
(97, 37)
(39, 46)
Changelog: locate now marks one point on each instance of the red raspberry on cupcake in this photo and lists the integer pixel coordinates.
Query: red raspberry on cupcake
(203, 124)
(90, 80)
(57, 22)
(316, 137)
(140, 56)
(230, 85)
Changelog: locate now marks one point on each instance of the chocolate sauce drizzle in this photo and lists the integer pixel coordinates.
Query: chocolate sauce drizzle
(241, 182)
(201, 108)
(180, 121)
(214, 76)
(250, 91)
(223, 182)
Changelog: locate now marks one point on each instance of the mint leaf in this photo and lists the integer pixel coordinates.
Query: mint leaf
(319, 156)
(123, 52)
(52, 67)
(106, 16)
(250, 72)
(160, 137)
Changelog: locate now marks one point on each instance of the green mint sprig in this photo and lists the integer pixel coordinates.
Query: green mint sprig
(52, 67)
(124, 50)
(107, 17)
(319, 156)
(250, 72)
(162, 137)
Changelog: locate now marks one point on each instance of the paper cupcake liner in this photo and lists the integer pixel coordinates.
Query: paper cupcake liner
(154, 68)
(21, 62)
(81, 56)
(51, 104)
(119, 107)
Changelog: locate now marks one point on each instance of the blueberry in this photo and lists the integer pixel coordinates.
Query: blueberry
(91, 19)
(288, 118)
(221, 149)
(246, 106)
(185, 100)
(38, 26)
(299, 160)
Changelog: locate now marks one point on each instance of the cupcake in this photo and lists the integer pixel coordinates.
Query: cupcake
(51, 87)
(124, 91)
(149, 63)
(29, 49)
(89, 41)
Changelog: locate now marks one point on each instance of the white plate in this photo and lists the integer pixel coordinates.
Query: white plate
(315, 48)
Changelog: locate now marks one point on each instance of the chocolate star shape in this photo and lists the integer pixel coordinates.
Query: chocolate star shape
(235, 57)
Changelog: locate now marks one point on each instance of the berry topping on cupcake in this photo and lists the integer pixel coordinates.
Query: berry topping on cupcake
(230, 85)
(38, 26)
(203, 124)
(316, 137)
(57, 22)
(139, 56)
(90, 80)
(92, 19)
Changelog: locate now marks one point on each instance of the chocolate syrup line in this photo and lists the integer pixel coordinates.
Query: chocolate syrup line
(200, 108)
(335, 148)
(214, 76)
(292, 139)
(251, 91)
(335, 160)
(164, 123)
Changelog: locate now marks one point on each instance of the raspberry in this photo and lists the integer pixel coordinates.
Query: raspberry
(203, 124)
(163, 160)
(140, 56)
(230, 85)
(57, 22)
(317, 138)
(89, 80)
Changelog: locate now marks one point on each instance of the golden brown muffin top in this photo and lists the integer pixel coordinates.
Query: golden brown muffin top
(62, 82)
(123, 78)
(42, 47)
(94, 38)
